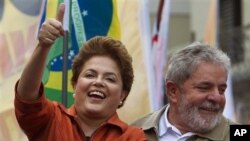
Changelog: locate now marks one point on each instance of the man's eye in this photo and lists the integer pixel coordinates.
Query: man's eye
(222, 90)
(203, 88)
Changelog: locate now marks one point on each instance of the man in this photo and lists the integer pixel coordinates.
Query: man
(196, 81)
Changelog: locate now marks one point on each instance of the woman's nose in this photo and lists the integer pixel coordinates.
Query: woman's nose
(98, 82)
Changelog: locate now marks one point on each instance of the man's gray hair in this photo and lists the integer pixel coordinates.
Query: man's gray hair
(185, 61)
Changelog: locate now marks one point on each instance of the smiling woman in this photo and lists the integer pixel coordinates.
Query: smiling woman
(102, 79)
(98, 78)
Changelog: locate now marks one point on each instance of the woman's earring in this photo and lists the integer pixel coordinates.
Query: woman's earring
(120, 103)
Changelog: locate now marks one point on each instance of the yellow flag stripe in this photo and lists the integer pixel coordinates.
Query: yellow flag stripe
(51, 8)
(115, 29)
(55, 81)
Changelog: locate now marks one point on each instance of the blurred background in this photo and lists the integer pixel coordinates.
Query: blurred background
(151, 30)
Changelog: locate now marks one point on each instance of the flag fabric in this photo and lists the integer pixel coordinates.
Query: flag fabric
(211, 37)
(145, 34)
(137, 38)
(229, 110)
(210, 34)
(135, 34)
(87, 19)
(19, 21)
(16, 40)
(159, 51)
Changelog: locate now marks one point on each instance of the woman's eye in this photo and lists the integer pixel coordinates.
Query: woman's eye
(110, 79)
(89, 75)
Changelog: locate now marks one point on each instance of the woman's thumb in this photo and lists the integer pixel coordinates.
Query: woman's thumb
(60, 12)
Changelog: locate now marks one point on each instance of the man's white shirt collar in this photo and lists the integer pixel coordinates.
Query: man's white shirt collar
(169, 132)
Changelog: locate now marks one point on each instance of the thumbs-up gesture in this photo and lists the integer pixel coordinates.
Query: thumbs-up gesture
(51, 29)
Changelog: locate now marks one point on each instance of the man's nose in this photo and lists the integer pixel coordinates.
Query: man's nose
(215, 96)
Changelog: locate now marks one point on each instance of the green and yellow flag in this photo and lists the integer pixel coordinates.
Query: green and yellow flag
(88, 18)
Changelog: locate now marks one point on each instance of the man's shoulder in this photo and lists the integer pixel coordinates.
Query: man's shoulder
(144, 119)
(150, 120)
(231, 122)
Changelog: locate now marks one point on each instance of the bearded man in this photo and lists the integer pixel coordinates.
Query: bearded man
(196, 81)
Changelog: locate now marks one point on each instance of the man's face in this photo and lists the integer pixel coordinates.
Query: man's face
(202, 98)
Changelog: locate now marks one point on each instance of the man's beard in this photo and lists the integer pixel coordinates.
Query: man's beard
(194, 120)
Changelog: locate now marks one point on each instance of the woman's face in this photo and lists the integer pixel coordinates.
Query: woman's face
(99, 88)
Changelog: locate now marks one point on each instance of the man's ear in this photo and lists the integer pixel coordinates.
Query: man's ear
(172, 91)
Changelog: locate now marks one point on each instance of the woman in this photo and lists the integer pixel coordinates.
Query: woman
(102, 79)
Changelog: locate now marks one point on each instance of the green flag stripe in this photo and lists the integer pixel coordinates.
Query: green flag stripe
(78, 23)
(55, 95)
